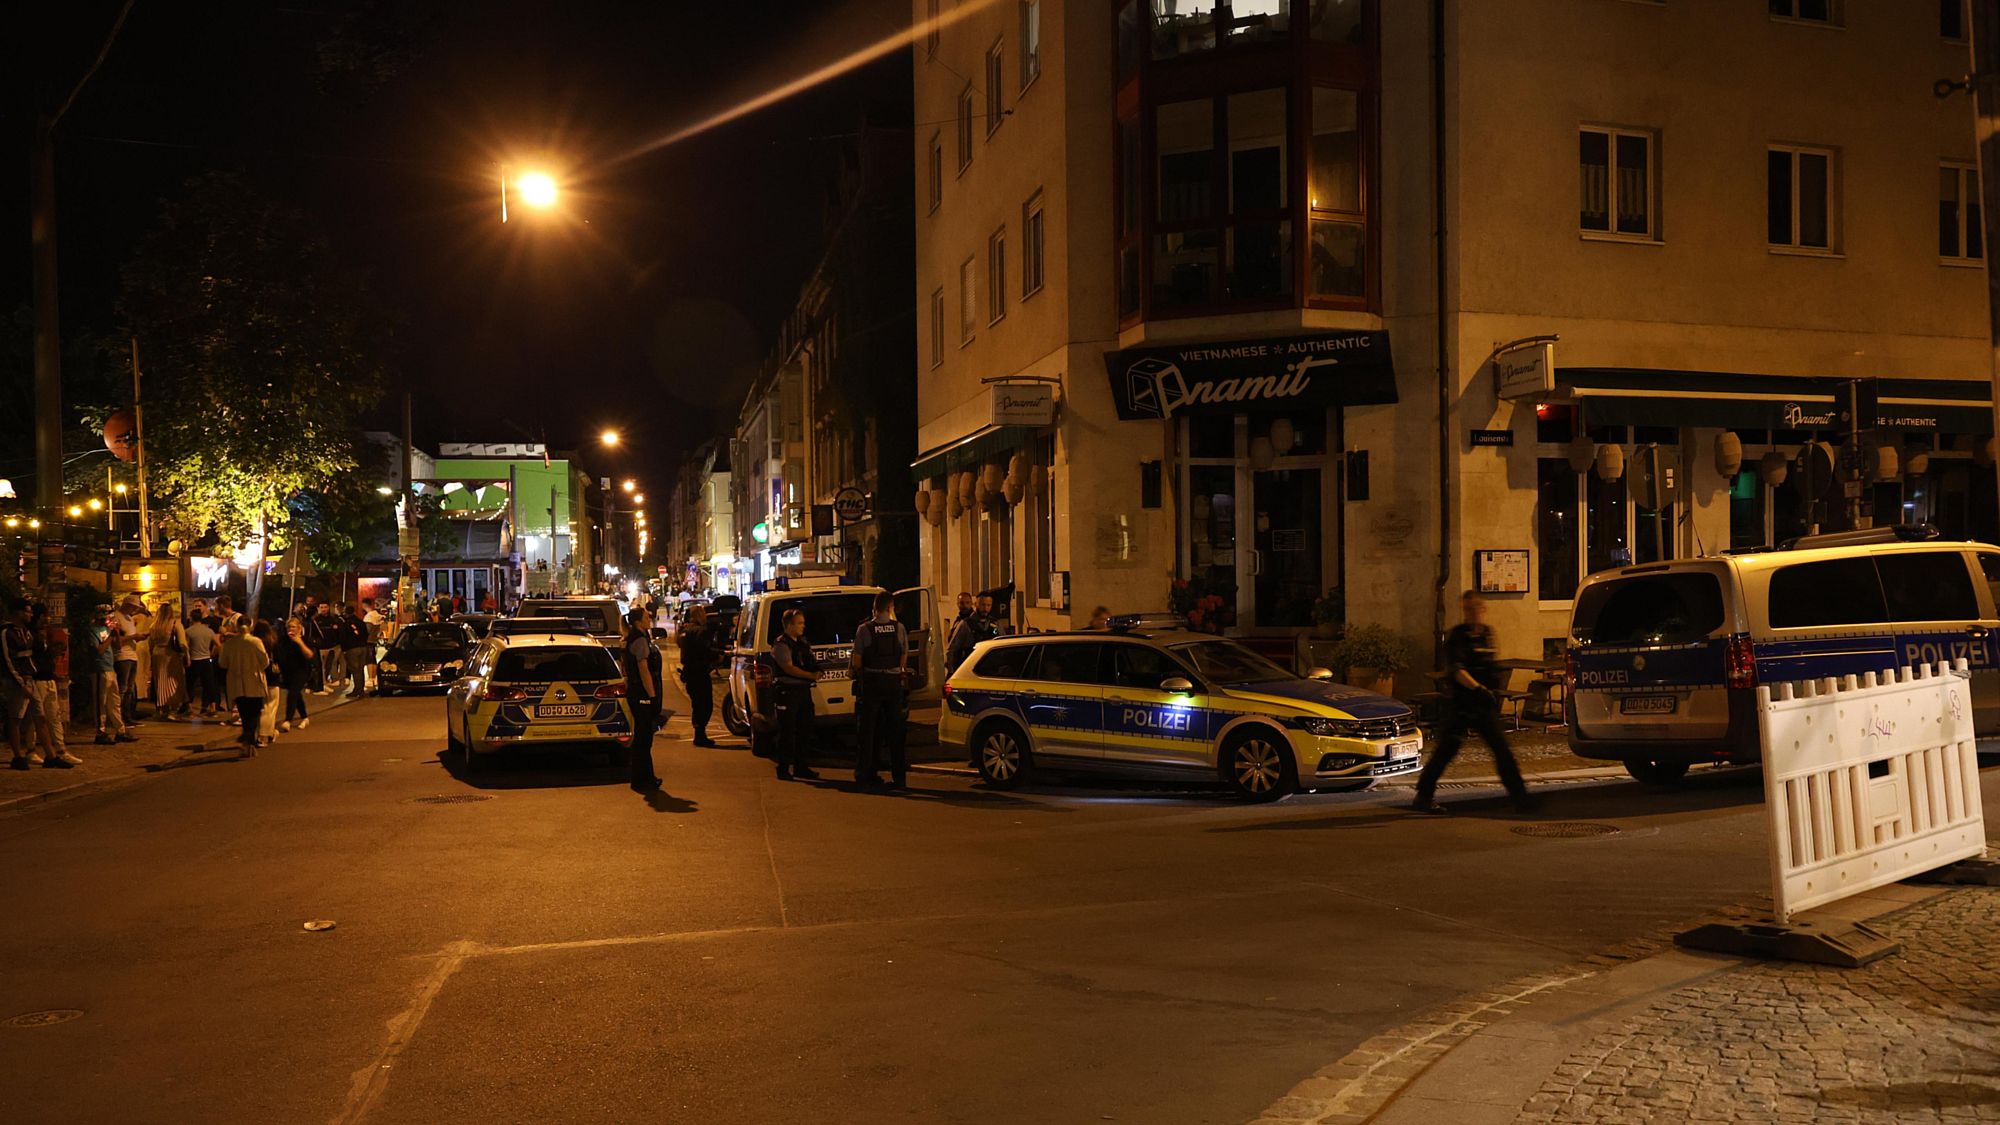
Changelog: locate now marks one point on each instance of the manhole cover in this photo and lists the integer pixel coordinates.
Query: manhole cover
(1565, 830)
(451, 799)
(44, 1019)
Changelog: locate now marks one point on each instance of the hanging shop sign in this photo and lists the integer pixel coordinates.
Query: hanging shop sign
(851, 505)
(1525, 372)
(1024, 404)
(1323, 369)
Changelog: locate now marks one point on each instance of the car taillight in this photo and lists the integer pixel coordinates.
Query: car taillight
(763, 676)
(611, 691)
(506, 694)
(1739, 663)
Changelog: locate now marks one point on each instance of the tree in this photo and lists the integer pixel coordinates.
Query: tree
(260, 353)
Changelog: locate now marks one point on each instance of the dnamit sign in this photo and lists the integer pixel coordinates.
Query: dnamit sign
(1323, 369)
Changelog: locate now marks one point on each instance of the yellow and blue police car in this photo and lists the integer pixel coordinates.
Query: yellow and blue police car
(524, 690)
(1169, 705)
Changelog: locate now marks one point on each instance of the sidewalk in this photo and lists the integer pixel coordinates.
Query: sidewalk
(160, 743)
(1680, 1036)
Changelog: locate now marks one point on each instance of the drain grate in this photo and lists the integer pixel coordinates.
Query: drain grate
(46, 1019)
(451, 799)
(1566, 830)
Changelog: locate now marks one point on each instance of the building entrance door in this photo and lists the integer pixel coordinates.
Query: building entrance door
(1257, 506)
(1287, 516)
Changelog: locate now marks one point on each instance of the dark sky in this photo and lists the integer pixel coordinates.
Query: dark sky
(639, 304)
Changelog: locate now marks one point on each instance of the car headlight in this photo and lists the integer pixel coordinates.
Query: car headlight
(1327, 728)
(388, 666)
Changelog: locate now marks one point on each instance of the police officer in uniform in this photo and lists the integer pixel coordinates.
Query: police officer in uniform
(642, 692)
(697, 661)
(1473, 679)
(798, 671)
(881, 663)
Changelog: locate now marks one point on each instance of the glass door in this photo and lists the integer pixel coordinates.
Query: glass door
(1288, 575)
(1261, 529)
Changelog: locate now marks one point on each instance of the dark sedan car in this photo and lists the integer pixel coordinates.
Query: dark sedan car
(426, 655)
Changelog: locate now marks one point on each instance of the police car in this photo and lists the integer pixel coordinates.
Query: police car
(531, 690)
(1168, 704)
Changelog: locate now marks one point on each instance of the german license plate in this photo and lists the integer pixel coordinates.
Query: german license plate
(1405, 748)
(421, 677)
(831, 674)
(562, 711)
(1646, 705)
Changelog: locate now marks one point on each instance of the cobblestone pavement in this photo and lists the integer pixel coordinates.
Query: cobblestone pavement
(1912, 1037)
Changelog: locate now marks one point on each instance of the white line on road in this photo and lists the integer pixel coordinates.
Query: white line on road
(371, 1080)
(784, 914)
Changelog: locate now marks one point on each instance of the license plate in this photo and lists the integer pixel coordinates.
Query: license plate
(1406, 748)
(421, 677)
(832, 674)
(562, 711)
(1646, 705)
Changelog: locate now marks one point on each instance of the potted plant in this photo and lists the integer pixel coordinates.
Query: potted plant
(1329, 612)
(1372, 655)
(1208, 603)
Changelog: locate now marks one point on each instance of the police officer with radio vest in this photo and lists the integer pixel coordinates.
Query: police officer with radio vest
(798, 671)
(880, 665)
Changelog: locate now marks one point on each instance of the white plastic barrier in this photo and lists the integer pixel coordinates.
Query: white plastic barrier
(1868, 780)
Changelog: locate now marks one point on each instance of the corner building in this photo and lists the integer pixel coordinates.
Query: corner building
(1225, 294)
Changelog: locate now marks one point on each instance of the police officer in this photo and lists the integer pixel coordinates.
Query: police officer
(798, 671)
(697, 661)
(1472, 682)
(642, 691)
(881, 663)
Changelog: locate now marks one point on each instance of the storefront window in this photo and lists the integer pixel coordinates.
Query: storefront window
(1555, 528)
(1609, 542)
(1336, 21)
(1746, 511)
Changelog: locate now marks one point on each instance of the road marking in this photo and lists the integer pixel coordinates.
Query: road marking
(784, 913)
(371, 1080)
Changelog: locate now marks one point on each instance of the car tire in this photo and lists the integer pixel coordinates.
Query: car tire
(732, 717)
(1653, 771)
(1000, 751)
(1257, 764)
(469, 760)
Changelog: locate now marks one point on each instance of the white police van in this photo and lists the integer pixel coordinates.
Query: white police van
(1664, 659)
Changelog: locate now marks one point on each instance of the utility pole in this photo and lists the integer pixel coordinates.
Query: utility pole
(48, 371)
(1986, 97)
(406, 530)
(139, 442)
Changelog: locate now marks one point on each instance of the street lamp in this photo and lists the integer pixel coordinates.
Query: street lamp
(639, 499)
(536, 189)
(610, 438)
(630, 485)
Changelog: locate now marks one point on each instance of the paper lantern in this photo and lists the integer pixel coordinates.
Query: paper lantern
(1728, 454)
(1610, 461)
(121, 435)
(1283, 436)
(936, 514)
(1773, 468)
(956, 505)
(1582, 454)
(1916, 461)
(1012, 489)
(965, 486)
(990, 477)
(923, 501)
(1017, 466)
(1884, 462)
(1262, 456)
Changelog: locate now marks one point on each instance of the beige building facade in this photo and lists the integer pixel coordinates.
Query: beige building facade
(1691, 218)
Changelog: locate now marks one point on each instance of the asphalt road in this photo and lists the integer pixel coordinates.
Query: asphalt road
(743, 949)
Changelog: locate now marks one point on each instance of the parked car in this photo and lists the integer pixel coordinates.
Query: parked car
(599, 613)
(425, 655)
(479, 623)
(538, 690)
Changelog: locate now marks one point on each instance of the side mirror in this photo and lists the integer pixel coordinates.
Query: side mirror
(1178, 685)
(1319, 673)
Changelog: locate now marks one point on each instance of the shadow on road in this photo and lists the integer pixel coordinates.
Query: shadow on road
(552, 768)
(661, 801)
(957, 798)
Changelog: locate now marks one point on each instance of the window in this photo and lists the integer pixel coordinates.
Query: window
(1834, 592)
(1810, 11)
(1031, 245)
(1951, 20)
(937, 327)
(1031, 42)
(1039, 516)
(996, 275)
(1931, 586)
(965, 127)
(1333, 180)
(1555, 529)
(931, 29)
(1656, 609)
(1989, 569)
(1136, 666)
(1131, 235)
(1208, 206)
(1961, 223)
(934, 162)
(1005, 662)
(967, 292)
(1617, 182)
(1584, 524)
(994, 69)
(1068, 663)
(1800, 197)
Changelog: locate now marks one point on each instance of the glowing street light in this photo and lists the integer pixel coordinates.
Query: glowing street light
(96, 505)
(639, 498)
(630, 485)
(610, 438)
(75, 510)
(120, 490)
(536, 189)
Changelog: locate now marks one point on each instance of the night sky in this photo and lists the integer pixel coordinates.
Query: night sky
(646, 303)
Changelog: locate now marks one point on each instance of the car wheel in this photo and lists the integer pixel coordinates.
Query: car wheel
(1001, 752)
(1258, 765)
(469, 758)
(732, 717)
(1653, 771)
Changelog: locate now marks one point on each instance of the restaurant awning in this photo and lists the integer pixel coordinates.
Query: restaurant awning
(968, 451)
(1636, 397)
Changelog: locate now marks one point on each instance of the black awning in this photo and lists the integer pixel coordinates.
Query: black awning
(1651, 397)
(969, 451)
(1948, 406)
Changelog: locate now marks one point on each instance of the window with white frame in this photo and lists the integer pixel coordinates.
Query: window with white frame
(996, 275)
(965, 127)
(1616, 178)
(1031, 245)
(937, 327)
(935, 160)
(995, 69)
(1031, 41)
(1802, 197)
(967, 294)
(1961, 221)
(1807, 11)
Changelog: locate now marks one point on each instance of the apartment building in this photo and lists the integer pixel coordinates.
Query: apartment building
(1399, 299)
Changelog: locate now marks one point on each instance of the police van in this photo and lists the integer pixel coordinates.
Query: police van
(834, 607)
(1664, 659)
